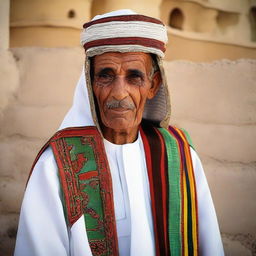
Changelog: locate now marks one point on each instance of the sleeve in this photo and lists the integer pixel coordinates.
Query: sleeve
(210, 242)
(42, 227)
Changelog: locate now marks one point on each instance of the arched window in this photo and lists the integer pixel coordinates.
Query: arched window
(176, 19)
(71, 14)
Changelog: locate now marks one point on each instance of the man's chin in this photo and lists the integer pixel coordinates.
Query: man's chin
(120, 124)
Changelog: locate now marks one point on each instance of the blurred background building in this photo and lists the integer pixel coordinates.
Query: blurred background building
(199, 30)
(211, 70)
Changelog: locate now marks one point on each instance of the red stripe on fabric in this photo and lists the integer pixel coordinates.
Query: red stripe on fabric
(164, 191)
(61, 143)
(88, 175)
(147, 42)
(182, 203)
(152, 194)
(76, 131)
(123, 18)
(62, 178)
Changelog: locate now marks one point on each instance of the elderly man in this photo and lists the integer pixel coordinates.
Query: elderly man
(117, 180)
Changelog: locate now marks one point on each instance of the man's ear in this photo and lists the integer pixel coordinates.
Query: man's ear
(155, 85)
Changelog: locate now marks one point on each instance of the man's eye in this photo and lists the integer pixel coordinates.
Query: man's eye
(104, 79)
(135, 79)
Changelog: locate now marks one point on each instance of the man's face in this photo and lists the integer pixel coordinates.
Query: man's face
(122, 83)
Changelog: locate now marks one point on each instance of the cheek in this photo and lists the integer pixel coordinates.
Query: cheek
(100, 95)
(141, 97)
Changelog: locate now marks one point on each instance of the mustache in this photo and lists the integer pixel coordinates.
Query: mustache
(124, 103)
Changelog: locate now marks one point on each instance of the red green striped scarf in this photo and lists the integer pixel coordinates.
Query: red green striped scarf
(173, 190)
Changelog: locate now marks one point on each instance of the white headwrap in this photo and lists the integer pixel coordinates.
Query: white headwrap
(80, 112)
(119, 31)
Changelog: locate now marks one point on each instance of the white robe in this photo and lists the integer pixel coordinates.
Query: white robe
(42, 227)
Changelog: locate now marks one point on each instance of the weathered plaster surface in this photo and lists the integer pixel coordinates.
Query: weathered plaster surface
(215, 102)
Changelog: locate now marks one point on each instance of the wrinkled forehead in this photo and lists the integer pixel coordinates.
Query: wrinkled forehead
(123, 61)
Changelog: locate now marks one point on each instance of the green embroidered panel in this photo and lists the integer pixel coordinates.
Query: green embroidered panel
(94, 213)
(86, 185)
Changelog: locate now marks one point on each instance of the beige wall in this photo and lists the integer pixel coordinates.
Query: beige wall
(227, 5)
(207, 34)
(196, 17)
(49, 13)
(4, 24)
(44, 36)
(184, 48)
(48, 23)
(214, 101)
(146, 7)
(30, 82)
(213, 23)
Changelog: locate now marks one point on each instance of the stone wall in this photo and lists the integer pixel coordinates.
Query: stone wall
(214, 101)
(4, 24)
(37, 87)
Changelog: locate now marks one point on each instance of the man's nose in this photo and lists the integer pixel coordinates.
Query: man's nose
(119, 88)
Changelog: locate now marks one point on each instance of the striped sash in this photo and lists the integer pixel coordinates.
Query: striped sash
(173, 191)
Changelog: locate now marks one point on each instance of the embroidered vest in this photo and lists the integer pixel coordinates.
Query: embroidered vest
(87, 188)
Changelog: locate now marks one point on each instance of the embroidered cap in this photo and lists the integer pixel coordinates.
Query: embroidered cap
(124, 33)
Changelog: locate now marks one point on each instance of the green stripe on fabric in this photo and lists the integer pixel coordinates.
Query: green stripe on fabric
(189, 140)
(174, 218)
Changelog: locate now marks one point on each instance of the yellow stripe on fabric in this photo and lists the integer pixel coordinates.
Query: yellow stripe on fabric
(185, 216)
(193, 192)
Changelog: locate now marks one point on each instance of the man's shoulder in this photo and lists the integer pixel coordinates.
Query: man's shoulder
(74, 132)
(182, 133)
(46, 153)
(172, 131)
